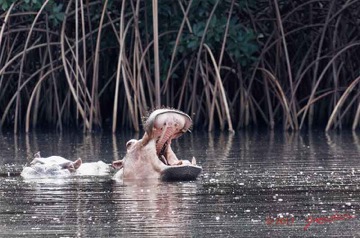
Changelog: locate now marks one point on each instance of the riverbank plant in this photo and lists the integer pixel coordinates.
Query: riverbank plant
(228, 64)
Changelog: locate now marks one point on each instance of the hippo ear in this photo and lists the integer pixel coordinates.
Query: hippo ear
(77, 163)
(118, 164)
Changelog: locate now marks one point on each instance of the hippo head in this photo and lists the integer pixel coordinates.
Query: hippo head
(59, 161)
(53, 166)
(152, 156)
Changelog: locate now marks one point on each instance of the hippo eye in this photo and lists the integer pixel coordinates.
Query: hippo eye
(129, 143)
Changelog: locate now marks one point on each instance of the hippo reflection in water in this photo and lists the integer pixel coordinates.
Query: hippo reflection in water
(152, 156)
(57, 166)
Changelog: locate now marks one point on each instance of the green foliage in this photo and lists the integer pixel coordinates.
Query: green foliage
(240, 45)
(56, 14)
(5, 4)
(53, 9)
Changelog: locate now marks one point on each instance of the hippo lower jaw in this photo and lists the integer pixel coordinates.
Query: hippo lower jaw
(185, 172)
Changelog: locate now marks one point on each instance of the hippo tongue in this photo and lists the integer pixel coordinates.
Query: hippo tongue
(165, 139)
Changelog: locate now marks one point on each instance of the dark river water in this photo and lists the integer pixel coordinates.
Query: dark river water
(253, 184)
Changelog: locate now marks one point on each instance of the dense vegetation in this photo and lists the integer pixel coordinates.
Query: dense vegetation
(229, 64)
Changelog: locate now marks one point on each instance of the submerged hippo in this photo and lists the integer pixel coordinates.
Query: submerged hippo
(53, 166)
(56, 166)
(152, 156)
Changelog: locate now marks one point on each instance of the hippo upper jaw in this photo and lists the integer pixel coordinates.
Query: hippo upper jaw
(163, 126)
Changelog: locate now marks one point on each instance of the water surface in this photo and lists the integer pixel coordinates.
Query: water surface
(253, 184)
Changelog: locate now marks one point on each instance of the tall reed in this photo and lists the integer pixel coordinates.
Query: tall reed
(230, 64)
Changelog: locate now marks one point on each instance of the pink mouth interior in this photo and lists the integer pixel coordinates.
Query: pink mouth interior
(168, 126)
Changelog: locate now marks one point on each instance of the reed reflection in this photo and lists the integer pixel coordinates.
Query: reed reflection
(219, 147)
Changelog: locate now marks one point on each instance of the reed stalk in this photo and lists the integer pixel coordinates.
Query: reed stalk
(67, 73)
(193, 97)
(177, 41)
(222, 90)
(156, 53)
(293, 123)
(340, 103)
(6, 18)
(121, 44)
(18, 101)
(34, 94)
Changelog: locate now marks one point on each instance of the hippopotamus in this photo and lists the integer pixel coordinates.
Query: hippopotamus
(53, 166)
(57, 166)
(152, 155)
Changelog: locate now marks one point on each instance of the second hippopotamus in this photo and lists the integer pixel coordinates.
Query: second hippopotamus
(57, 167)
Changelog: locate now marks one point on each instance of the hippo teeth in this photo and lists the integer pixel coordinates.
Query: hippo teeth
(193, 161)
(163, 159)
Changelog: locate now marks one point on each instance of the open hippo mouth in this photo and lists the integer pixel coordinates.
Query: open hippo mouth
(152, 156)
(164, 125)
